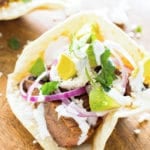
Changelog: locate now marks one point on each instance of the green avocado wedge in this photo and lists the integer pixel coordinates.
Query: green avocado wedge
(100, 101)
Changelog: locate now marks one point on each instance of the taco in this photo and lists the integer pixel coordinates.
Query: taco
(12, 9)
(70, 86)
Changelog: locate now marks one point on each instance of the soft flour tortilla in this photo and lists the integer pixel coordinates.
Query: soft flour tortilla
(24, 111)
(17, 9)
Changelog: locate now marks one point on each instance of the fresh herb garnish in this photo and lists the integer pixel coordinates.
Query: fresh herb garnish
(73, 43)
(91, 56)
(14, 43)
(49, 87)
(138, 29)
(37, 68)
(89, 77)
(78, 41)
(107, 74)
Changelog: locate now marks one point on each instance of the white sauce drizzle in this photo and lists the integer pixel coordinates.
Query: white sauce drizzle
(98, 50)
(83, 122)
(137, 82)
(123, 100)
(117, 47)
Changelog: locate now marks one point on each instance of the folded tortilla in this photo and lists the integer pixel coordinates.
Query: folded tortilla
(20, 8)
(24, 110)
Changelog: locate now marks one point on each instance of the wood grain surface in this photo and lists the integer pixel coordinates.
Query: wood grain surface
(13, 136)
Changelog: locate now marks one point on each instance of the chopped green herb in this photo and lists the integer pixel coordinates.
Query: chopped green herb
(91, 38)
(89, 77)
(79, 42)
(138, 29)
(73, 44)
(91, 56)
(107, 74)
(37, 68)
(100, 101)
(14, 43)
(49, 87)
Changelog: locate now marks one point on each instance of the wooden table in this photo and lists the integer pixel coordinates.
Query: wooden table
(13, 136)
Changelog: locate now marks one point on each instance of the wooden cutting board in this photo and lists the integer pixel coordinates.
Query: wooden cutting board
(13, 136)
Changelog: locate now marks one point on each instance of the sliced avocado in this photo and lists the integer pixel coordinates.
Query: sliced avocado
(66, 67)
(100, 101)
(37, 68)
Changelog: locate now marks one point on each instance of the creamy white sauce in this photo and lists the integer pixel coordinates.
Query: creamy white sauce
(92, 120)
(116, 47)
(81, 78)
(83, 122)
(54, 74)
(143, 97)
(123, 100)
(74, 83)
(98, 50)
(137, 82)
(117, 84)
(80, 53)
(79, 102)
(41, 122)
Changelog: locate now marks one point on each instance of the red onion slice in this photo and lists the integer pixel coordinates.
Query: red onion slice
(32, 87)
(59, 96)
(124, 70)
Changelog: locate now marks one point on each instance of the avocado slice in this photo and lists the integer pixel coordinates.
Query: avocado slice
(100, 101)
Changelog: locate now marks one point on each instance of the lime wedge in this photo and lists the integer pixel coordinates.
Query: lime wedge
(66, 67)
(100, 101)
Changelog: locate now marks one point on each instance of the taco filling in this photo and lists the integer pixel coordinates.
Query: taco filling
(86, 78)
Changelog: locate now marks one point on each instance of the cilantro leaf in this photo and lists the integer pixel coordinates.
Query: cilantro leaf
(49, 87)
(37, 68)
(107, 74)
(138, 29)
(14, 43)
